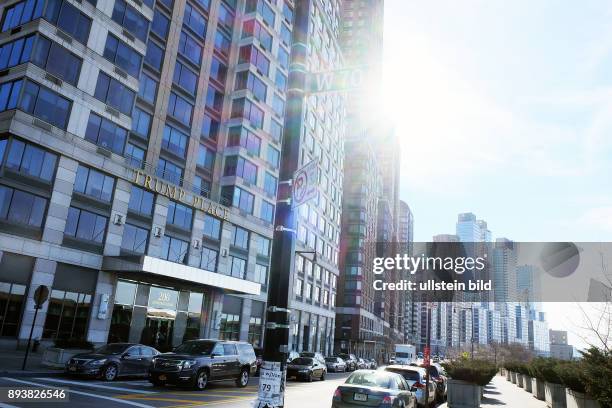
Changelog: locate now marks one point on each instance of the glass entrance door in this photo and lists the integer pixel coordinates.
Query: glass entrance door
(158, 333)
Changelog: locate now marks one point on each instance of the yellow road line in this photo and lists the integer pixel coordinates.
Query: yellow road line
(147, 398)
(224, 401)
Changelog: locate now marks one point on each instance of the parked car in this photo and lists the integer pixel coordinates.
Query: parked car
(259, 359)
(306, 368)
(292, 356)
(362, 364)
(335, 364)
(415, 377)
(350, 360)
(112, 361)
(374, 389)
(310, 354)
(198, 362)
(438, 376)
(373, 364)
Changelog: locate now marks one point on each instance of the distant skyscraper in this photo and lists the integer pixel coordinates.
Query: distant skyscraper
(558, 345)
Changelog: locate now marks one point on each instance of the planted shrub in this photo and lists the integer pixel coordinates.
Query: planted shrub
(572, 375)
(479, 372)
(598, 375)
(544, 369)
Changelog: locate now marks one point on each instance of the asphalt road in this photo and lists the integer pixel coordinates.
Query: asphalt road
(140, 393)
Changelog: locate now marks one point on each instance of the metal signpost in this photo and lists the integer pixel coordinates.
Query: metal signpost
(40, 297)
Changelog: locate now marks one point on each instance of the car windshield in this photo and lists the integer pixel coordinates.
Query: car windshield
(402, 355)
(302, 361)
(112, 349)
(331, 359)
(196, 347)
(307, 354)
(408, 375)
(370, 379)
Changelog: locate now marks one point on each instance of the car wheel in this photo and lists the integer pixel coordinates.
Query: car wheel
(322, 378)
(201, 380)
(109, 373)
(243, 380)
(309, 379)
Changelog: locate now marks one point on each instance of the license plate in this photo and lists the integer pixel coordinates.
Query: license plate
(162, 378)
(360, 397)
(72, 368)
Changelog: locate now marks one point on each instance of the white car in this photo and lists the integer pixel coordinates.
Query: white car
(415, 377)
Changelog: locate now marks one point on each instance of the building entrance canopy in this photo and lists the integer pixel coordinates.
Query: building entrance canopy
(160, 267)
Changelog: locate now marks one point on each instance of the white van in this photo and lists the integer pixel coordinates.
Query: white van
(405, 353)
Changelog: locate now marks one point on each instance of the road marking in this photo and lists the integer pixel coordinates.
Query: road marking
(3, 405)
(224, 401)
(141, 398)
(95, 385)
(87, 394)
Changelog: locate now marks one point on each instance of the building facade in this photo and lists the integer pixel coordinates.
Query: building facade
(139, 150)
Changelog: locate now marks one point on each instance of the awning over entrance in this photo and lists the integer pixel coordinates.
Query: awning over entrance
(156, 266)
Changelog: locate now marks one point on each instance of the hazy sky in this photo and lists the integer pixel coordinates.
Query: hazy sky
(504, 109)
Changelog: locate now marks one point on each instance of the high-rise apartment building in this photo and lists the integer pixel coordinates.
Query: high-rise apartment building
(139, 150)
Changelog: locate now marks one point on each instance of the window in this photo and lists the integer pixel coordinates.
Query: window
(255, 327)
(276, 131)
(237, 267)
(266, 211)
(67, 315)
(229, 328)
(209, 259)
(19, 207)
(194, 20)
(252, 28)
(238, 197)
(273, 156)
(141, 201)
(308, 293)
(285, 34)
(11, 305)
(36, 100)
(206, 158)
(141, 123)
(261, 274)
(30, 160)
(210, 127)
(283, 57)
(317, 294)
(262, 246)
(278, 105)
(135, 155)
(85, 225)
(222, 43)
(280, 81)
(180, 109)
(270, 184)
(94, 184)
(69, 19)
(16, 52)
(240, 136)
(114, 93)
(105, 133)
(246, 109)
(248, 80)
(262, 8)
(174, 249)
(214, 99)
(21, 13)
(122, 55)
(298, 287)
(160, 25)
(240, 167)
(129, 18)
(48, 55)
(218, 70)
(240, 238)
(212, 227)
(175, 141)
(287, 12)
(134, 239)
(179, 215)
(147, 88)
(185, 78)
(154, 56)
(189, 48)
(226, 17)
(250, 54)
(169, 171)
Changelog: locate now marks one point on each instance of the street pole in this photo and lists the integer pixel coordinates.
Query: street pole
(428, 342)
(276, 341)
(25, 358)
(472, 307)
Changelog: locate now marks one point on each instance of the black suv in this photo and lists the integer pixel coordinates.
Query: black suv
(197, 362)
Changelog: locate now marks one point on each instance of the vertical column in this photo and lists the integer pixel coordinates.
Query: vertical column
(61, 196)
(216, 308)
(244, 319)
(99, 324)
(197, 232)
(223, 264)
(42, 274)
(159, 220)
(119, 207)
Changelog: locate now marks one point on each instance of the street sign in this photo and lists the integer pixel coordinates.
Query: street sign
(305, 183)
(40, 296)
(337, 81)
(426, 356)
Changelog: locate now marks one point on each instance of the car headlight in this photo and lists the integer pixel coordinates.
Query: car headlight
(188, 363)
(305, 370)
(97, 363)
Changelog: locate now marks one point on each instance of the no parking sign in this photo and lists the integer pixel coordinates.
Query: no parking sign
(305, 184)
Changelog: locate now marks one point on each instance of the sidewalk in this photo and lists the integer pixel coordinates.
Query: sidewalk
(499, 393)
(12, 360)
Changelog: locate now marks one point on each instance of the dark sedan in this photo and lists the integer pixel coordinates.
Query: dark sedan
(374, 389)
(113, 360)
(306, 368)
